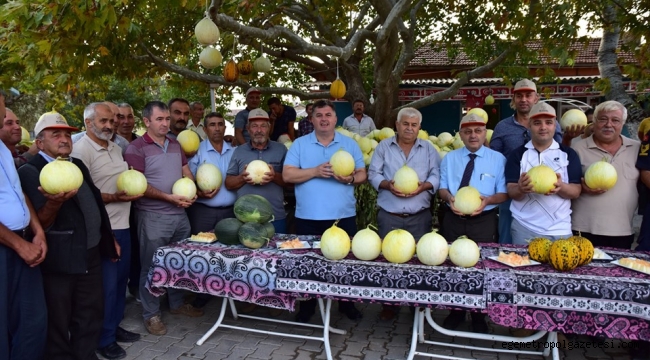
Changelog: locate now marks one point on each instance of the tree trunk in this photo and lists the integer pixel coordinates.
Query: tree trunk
(609, 69)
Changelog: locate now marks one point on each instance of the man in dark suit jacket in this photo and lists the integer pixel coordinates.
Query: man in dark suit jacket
(78, 233)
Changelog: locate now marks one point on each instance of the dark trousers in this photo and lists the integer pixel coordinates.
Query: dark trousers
(23, 314)
(318, 227)
(416, 224)
(618, 242)
(134, 268)
(204, 218)
(75, 305)
(481, 228)
(644, 233)
(115, 275)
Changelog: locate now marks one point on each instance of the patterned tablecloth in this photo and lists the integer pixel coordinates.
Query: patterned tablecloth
(234, 271)
(598, 299)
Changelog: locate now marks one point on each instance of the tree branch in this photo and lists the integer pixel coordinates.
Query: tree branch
(394, 18)
(462, 81)
(212, 79)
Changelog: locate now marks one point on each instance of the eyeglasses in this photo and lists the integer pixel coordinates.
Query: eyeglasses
(602, 120)
(478, 131)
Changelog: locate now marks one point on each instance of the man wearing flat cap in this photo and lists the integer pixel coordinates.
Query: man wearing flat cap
(260, 147)
(482, 168)
(511, 133)
(542, 215)
(78, 236)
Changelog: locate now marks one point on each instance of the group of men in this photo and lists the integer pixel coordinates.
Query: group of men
(72, 243)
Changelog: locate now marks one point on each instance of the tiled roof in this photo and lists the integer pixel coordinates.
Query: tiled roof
(477, 81)
(437, 55)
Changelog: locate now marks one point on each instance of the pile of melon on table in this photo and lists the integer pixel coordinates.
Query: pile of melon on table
(251, 225)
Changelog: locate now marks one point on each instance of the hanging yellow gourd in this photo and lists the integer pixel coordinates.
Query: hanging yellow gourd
(230, 72)
(337, 89)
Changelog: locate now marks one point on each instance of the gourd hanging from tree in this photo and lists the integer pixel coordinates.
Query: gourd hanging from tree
(206, 31)
(262, 64)
(230, 71)
(337, 89)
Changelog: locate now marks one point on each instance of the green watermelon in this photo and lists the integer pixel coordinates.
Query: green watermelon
(253, 235)
(226, 231)
(253, 208)
(270, 229)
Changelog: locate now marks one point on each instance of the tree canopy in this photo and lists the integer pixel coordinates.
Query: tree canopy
(70, 46)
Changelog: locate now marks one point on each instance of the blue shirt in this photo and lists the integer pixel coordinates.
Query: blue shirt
(488, 176)
(509, 134)
(388, 158)
(241, 119)
(318, 198)
(15, 214)
(207, 153)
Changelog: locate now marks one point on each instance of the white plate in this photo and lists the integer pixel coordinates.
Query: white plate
(615, 262)
(603, 255)
(305, 245)
(496, 258)
(315, 245)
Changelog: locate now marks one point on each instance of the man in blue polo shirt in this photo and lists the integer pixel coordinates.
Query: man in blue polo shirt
(542, 215)
(321, 196)
(511, 133)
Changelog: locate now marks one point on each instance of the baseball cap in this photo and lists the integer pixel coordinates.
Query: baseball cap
(471, 120)
(52, 120)
(252, 90)
(541, 108)
(525, 85)
(257, 114)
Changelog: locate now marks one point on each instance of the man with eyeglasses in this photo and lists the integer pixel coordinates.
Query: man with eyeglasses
(612, 227)
(511, 133)
(542, 215)
(482, 168)
(398, 210)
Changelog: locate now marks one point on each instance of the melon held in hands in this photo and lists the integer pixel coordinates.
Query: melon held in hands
(60, 176)
(184, 187)
(342, 163)
(406, 180)
(601, 175)
(256, 170)
(366, 244)
(208, 177)
(573, 117)
(467, 200)
(464, 252)
(543, 178)
(335, 243)
(398, 246)
(189, 140)
(132, 182)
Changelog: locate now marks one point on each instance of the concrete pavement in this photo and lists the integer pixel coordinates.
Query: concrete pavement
(370, 338)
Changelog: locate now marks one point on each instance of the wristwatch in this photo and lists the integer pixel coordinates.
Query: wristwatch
(351, 181)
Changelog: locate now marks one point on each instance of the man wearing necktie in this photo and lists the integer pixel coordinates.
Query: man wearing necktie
(482, 168)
